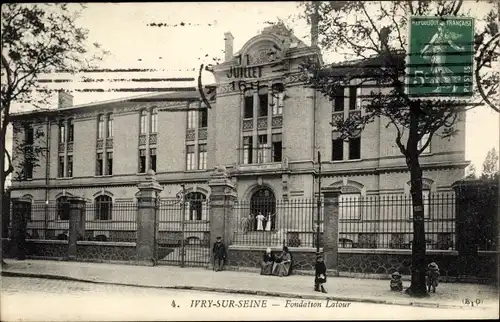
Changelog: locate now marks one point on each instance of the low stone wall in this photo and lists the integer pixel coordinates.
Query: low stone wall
(375, 263)
(105, 251)
(44, 249)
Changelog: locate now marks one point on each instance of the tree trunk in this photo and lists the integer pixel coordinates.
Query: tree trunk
(418, 267)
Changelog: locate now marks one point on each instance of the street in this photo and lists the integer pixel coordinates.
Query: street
(34, 299)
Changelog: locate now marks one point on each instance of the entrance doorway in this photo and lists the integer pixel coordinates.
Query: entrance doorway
(263, 202)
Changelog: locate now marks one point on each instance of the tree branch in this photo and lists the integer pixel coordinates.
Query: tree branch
(10, 169)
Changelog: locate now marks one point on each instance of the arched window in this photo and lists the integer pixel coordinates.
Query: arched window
(143, 122)
(103, 207)
(62, 208)
(154, 120)
(196, 201)
(263, 202)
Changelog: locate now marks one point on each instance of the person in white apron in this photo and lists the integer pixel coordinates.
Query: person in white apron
(260, 219)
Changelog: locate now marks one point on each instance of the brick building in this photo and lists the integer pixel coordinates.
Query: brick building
(267, 136)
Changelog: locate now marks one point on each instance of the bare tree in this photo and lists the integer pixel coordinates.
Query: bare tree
(373, 36)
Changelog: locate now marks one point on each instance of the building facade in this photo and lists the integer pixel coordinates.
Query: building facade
(264, 126)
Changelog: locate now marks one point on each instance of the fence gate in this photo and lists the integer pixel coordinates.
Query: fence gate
(184, 232)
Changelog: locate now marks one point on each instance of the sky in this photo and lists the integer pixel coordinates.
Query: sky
(122, 29)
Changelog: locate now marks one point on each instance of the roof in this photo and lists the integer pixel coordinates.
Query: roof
(190, 93)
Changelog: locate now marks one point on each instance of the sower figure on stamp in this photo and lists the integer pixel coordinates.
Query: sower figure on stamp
(219, 252)
(320, 277)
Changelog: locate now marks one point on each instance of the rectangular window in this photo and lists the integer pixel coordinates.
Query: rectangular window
(99, 165)
(70, 166)
(60, 170)
(202, 156)
(154, 121)
(142, 161)
(28, 169)
(109, 131)
(277, 147)
(337, 150)
(248, 112)
(100, 127)
(338, 102)
(355, 148)
(143, 122)
(278, 103)
(263, 103)
(191, 119)
(29, 135)
(71, 131)
(203, 119)
(109, 163)
(262, 149)
(62, 133)
(152, 159)
(247, 150)
(353, 97)
(190, 157)
(421, 143)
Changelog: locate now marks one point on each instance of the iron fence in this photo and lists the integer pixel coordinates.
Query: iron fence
(111, 221)
(114, 222)
(276, 223)
(386, 221)
(184, 232)
(381, 221)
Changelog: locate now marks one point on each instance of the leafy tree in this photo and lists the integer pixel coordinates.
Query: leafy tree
(36, 39)
(490, 165)
(373, 36)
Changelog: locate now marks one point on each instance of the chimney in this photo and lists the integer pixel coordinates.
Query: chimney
(228, 48)
(314, 25)
(64, 99)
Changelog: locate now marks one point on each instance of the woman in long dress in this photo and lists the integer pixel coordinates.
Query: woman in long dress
(267, 263)
(282, 263)
(269, 222)
(437, 46)
(260, 219)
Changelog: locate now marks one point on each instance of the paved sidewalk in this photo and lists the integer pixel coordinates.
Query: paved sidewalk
(295, 286)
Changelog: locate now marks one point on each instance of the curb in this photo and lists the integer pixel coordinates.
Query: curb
(233, 291)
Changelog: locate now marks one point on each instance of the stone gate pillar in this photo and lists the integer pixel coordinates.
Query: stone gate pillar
(222, 197)
(76, 224)
(147, 221)
(21, 209)
(331, 227)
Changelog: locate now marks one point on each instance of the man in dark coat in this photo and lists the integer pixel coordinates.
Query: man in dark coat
(320, 274)
(219, 252)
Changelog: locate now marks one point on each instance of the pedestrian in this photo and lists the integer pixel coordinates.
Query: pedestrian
(432, 277)
(219, 253)
(320, 277)
(260, 219)
(396, 282)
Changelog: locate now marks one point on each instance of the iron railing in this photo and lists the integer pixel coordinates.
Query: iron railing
(291, 223)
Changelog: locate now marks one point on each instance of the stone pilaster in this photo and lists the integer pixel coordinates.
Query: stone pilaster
(147, 221)
(20, 212)
(222, 197)
(331, 227)
(76, 224)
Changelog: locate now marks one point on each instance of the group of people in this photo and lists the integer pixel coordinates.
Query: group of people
(264, 223)
(431, 279)
(281, 266)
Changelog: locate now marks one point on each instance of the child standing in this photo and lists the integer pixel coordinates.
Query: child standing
(320, 278)
(432, 277)
(396, 283)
